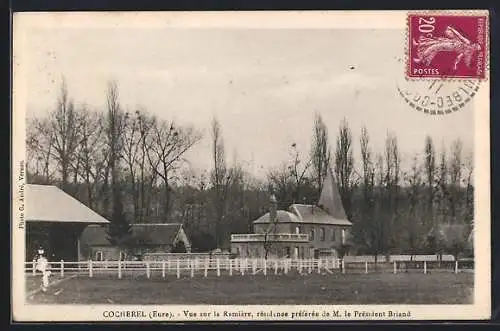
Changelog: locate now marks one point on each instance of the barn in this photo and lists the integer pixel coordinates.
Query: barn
(145, 241)
(55, 221)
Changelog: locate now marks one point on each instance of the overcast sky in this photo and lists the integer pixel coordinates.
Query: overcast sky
(263, 85)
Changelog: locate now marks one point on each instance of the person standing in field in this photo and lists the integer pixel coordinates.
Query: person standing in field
(42, 265)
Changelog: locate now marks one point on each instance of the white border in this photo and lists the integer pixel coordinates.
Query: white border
(22, 22)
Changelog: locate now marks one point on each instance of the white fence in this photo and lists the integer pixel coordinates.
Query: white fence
(232, 267)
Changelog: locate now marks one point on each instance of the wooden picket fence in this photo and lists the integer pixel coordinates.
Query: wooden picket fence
(241, 266)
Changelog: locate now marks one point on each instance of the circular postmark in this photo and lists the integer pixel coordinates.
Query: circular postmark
(438, 97)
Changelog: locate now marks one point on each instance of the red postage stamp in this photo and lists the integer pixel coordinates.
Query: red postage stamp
(447, 46)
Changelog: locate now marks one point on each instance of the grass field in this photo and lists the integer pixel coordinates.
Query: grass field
(372, 288)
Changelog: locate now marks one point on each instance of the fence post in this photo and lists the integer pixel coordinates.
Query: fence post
(286, 266)
(33, 266)
(310, 265)
(163, 269)
(90, 269)
(192, 268)
(276, 266)
(425, 267)
(395, 267)
(319, 266)
(230, 267)
(265, 267)
(178, 269)
(206, 268)
(243, 267)
(456, 266)
(119, 269)
(168, 265)
(366, 267)
(218, 267)
(148, 271)
(343, 266)
(62, 268)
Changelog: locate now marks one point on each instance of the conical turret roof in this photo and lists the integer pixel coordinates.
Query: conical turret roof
(329, 199)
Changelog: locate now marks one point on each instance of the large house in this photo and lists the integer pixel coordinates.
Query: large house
(302, 231)
(145, 241)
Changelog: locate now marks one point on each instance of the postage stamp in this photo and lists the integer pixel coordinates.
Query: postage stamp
(250, 166)
(447, 46)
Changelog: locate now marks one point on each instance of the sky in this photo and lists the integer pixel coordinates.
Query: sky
(264, 86)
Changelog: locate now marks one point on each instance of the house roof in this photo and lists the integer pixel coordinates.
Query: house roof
(154, 234)
(316, 215)
(303, 214)
(47, 203)
(282, 216)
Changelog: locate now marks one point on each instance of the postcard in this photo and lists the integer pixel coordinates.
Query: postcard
(251, 166)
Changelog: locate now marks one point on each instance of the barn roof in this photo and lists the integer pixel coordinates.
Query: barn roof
(154, 234)
(47, 203)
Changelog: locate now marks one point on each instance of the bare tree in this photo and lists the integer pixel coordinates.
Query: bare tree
(320, 152)
(92, 152)
(469, 188)
(344, 166)
(166, 146)
(298, 170)
(367, 229)
(430, 176)
(63, 130)
(131, 155)
(220, 179)
(414, 224)
(455, 177)
(282, 183)
(391, 192)
(119, 228)
(146, 175)
(39, 145)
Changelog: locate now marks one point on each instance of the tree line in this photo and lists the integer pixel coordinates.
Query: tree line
(131, 167)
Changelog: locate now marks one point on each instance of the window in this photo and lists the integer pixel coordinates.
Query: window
(99, 256)
(333, 234)
(322, 234)
(311, 234)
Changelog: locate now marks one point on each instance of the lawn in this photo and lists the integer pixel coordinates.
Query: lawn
(372, 288)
